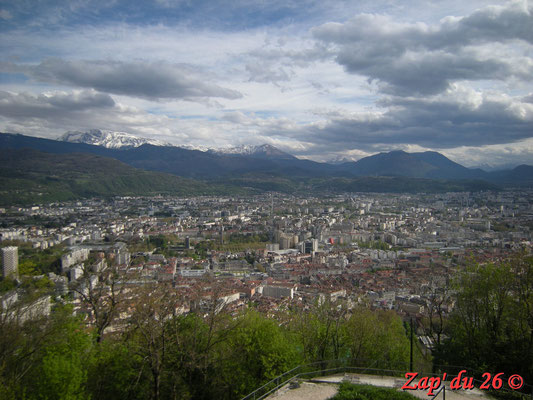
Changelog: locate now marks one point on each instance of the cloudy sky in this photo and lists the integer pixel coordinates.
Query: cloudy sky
(324, 79)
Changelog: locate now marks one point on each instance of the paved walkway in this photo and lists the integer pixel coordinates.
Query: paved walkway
(306, 391)
(325, 387)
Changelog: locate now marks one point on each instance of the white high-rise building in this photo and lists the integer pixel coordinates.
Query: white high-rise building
(10, 261)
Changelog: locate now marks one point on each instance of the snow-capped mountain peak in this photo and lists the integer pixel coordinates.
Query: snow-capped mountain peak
(194, 147)
(109, 139)
(342, 159)
(262, 151)
(123, 140)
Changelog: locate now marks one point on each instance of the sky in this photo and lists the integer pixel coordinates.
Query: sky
(324, 80)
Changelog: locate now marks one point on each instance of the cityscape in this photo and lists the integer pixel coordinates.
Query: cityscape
(387, 251)
(289, 200)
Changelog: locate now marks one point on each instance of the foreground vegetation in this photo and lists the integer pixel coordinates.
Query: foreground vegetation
(160, 355)
(491, 329)
(211, 352)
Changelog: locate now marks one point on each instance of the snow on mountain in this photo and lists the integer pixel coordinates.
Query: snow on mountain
(194, 147)
(123, 140)
(243, 150)
(262, 151)
(109, 139)
(341, 160)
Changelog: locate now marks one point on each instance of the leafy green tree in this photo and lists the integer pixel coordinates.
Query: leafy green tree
(257, 351)
(28, 267)
(21, 344)
(62, 371)
(7, 284)
(492, 324)
(360, 336)
(320, 331)
(148, 331)
(57, 354)
(160, 241)
(376, 336)
(114, 372)
(186, 360)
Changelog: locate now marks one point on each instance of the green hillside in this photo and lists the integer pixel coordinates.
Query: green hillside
(379, 184)
(31, 177)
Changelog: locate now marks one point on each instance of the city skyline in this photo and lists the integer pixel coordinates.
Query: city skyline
(320, 80)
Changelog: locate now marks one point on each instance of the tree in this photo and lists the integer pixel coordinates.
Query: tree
(44, 358)
(492, 324)
(358, 336)
(198, 347)
(21, 340)
(437, 306)
(62, 373)
(116, 372)
(320, 331)
(523, 270)
(155, 305)
(102, 292)
(257, 351)
(377, 337)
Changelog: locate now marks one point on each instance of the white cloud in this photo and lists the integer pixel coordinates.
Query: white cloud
(371, 76)
(416, 58)
(493, 156)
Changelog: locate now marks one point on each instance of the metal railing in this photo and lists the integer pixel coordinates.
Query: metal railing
(443, 390)
(326, 367)
(330, 367)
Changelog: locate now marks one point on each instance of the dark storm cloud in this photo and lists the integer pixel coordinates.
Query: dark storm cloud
(24, 105)
(443, 123)
(153, 81)
(492, 24)
(407, 59)
(424, 74)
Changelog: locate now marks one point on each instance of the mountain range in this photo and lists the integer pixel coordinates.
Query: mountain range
(268, 168)
(265, 151)
(429, 164)
(239, 159)
(124, 141)
(109, 139)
